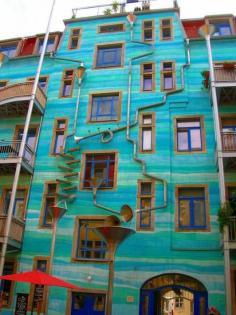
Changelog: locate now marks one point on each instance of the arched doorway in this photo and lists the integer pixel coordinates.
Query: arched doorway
(173, 294)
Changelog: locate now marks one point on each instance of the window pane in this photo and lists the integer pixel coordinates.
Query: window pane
(184, 213)
(182, 141)
(168, 81)
(147, 35)
(66, 88)
(105, 108)
(9, 50)
(195, 136)
(186, 124)
(99, 303)
(108, 57)
(145, 203)
(59, 142)
(6, 285)
(147, 83)
(192, 192)
(146, 188)
(145, 219)
(199, 213)
(147, 139)
(147, 120)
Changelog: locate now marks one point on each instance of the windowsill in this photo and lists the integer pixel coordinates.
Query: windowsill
(103, 121)
(192, 230)
(190, 152)
(86, 260)
(107, 68)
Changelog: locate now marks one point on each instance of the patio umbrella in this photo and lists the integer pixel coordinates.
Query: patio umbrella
(39, 277)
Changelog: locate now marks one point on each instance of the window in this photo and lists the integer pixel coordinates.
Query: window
(146, 191)
(59, 135)
(228, 134)
(111, 28)
(75, 38)
(109, 56)
(51, 44)
(89, 243)
(19, 204)
(192, 208)
(9, 49)
(231, 197)
(179, 302)
(67, 83)
(8, 286)
(222, 27)
(88, 303)
(105, 107)
(147, 133)
(148, 77)
(166, 29)
(31, 141)
(43, 83)
(100, 168)
(3, 83)
(38, 293)
(167, 75)
(148, 31)
(189, 134)
(49, 199)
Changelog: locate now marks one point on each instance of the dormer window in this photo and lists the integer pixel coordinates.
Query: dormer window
(9, 49)
(223, 26)
(50, 44)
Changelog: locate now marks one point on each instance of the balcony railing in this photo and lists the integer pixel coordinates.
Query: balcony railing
(21, 90)
(16, 230)
(225, 75)
(10, 150)
(232, 229)
(228, 141)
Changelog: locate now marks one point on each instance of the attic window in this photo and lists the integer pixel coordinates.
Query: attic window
(222, 27)
(111, 28)
(9, 49)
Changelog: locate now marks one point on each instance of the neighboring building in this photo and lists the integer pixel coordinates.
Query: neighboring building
(136, 131)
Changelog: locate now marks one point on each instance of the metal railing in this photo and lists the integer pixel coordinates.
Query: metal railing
(232, 229)
(225, 75)
(17, 228)
(10, 149)
(228, 141)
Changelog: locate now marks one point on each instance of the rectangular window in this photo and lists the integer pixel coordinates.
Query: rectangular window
(108, 56)
(231, 197)
(8, 286)
(100, 170)
(148, 77)
(3, 83)
(67, 83)
(43, 83)
(94, 303)
(59, 136)
(9, 49)
(147, 133)
(148, 31)
(179, 302)
(111, 28)
(49, 199)
(51, 44)
(105, 107)
(38, 293)
(189, 134)
(146, 194)
(192, 208)
(167, 75)
(19, 204)
(75, 38)
(228, 134)
(166, 29)
(222, 27)
(89, 244)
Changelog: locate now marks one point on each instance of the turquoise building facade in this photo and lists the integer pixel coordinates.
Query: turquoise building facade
(138, 157)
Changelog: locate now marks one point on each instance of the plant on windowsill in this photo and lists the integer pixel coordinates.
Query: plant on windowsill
(224, 214)
(108, 11)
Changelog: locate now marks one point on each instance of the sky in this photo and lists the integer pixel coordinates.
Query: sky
(22, 18)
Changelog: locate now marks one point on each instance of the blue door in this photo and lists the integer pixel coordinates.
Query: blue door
(88, 304)
(146, 303)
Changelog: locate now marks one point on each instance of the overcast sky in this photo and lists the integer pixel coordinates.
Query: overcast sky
(19, 18)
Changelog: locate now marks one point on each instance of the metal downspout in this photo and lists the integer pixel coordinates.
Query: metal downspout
(22, 146)
(221, 175)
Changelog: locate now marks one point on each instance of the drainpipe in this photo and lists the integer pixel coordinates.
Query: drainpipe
(221, 173)
(22, 147)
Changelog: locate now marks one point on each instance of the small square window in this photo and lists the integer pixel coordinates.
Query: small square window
(109, 56)
(105, 107)
(192, 208)
(99, 170)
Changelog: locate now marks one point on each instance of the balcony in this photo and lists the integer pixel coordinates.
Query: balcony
(9, 157)
(16, 232)
(14, 99)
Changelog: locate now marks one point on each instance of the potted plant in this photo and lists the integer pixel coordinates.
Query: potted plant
(224, 214)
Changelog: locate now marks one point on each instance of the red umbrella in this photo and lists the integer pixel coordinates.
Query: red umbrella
(39, 277)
